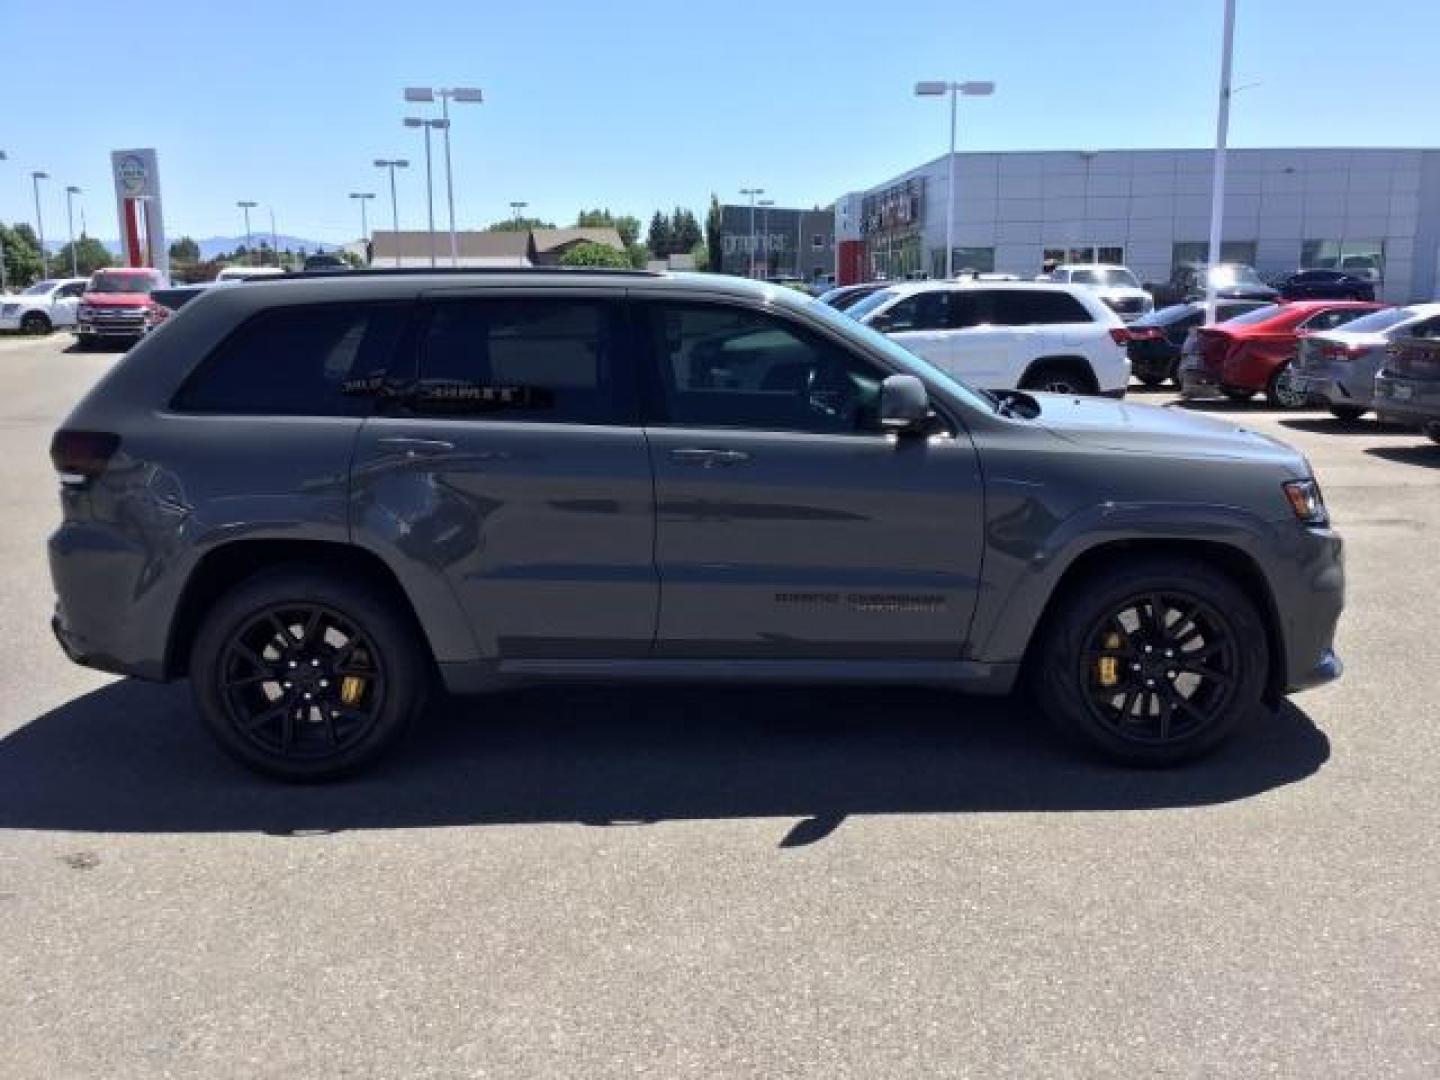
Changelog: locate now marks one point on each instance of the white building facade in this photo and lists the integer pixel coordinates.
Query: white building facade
(1017, 212)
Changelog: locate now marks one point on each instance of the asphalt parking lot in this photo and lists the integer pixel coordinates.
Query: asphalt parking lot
(699, 882)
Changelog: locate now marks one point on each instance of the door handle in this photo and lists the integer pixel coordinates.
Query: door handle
(415, 447)
(707, 458)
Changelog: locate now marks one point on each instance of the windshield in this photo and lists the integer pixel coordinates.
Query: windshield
(1105, 275)
(1232, 274)
(901, 357)
(1381, 320)
(110, 282)
(870, 303)
(40, 288)
(1259, 315)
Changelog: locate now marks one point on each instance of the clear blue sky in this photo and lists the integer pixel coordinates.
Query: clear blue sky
(635, 105)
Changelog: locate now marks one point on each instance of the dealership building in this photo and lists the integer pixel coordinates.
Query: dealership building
(1019, 212)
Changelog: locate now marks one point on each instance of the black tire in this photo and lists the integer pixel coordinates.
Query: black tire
(358, 634)
(36, 323)
(1279, 392)
(1152, 380)
(1217, 661)
(1432, 431)
(1347, 414)
(1060, 377)
(84, 341)
(1234, 393)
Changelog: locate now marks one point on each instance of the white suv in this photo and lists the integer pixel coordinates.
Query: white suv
(44, 306)
(1005, 336)
(1116, 285)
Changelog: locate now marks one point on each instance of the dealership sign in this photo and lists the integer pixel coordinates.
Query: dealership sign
(142, 220)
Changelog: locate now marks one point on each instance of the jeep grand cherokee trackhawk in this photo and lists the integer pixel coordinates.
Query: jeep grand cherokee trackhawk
(315, 496)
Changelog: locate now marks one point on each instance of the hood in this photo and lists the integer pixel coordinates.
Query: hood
(1150, 429)
(103, 299)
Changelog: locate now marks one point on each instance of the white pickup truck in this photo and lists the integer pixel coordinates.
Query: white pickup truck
(43, 307)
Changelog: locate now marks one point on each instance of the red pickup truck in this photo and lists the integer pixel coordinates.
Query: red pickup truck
(117, 305)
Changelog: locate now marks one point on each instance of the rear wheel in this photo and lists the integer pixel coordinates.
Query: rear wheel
(1154, 662)
(1346, 413)
(1280, 391)
(1059, 377)
(35, 322)
(302, 675)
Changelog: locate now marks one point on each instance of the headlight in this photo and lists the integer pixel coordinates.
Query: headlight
(1306, 501)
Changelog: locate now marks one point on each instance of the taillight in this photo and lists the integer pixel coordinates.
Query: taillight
(80, 456)
(1144, 333)
(1120, 334)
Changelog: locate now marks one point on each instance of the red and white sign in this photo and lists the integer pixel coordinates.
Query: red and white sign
(142, 220)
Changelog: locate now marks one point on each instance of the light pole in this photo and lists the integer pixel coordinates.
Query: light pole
(274, 236)
(515, 208)
(246, 205)
(955, 90)
(363, 197)
(765, 205)
(467, 94)
(392, 164)
(35, 178)
(752, 192)
(3, 283)
(418, 122)
(1217, 183)
(70, 192)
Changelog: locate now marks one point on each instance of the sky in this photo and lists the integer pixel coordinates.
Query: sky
(639, 105)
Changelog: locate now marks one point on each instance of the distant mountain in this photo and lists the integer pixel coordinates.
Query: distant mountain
(212, 246)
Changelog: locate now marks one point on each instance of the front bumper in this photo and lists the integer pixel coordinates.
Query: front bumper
(125, 331)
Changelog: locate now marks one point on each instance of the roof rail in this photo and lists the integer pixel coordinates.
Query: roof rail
(459, 271)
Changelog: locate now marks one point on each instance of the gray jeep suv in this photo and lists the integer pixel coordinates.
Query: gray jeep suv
(319, 496)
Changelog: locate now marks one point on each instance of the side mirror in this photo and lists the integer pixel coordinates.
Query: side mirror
(904, 404)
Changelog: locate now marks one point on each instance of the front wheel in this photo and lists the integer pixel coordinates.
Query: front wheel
(302, 675)
(1154, 662)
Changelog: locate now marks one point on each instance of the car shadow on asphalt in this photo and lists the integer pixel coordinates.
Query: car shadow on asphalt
(131, 758)
(1426, 454)
(1331, 426)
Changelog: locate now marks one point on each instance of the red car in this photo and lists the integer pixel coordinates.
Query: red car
(1252, 353)
(117, 304)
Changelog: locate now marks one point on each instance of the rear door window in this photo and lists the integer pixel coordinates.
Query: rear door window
(922, 311)
(304, 360)
(558, 360)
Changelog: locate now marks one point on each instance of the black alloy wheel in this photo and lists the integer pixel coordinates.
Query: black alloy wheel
(1159, 668)
(307, 675)
(301, 681)
(35, 323)
(1152, 660)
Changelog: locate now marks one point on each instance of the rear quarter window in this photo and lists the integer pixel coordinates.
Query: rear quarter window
(1026, 307)
(305, 360)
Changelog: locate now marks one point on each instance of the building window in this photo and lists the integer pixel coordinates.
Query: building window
(1107, 254)
(817, 241)
(980, 260)
(1190, 255)
(1365, 258)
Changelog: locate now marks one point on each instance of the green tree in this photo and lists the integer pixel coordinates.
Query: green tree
(521, 224)
(594, 219)
(701, 255)
(628, 226)
(712, 235)
(22, 255)
(185, 250)
(90, 255)
(592, 254)
(658, 239)
(684, 232)
(639, 255)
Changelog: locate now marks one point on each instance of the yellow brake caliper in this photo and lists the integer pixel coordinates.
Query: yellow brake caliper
(1107, 668)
